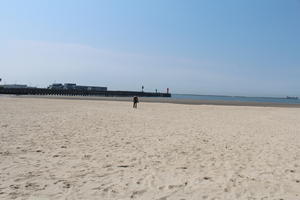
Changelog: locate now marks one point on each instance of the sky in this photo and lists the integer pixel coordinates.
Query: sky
(217, 47)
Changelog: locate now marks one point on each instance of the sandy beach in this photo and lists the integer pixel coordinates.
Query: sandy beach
(87, 149)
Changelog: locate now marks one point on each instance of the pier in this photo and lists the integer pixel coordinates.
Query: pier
(75, 92)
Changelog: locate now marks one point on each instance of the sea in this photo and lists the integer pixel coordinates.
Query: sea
(236, 98)
(231, 98)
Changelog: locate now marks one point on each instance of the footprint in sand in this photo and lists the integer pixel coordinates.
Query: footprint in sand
(15, 187)
(137, 193)
(66, 185)
(34, 186)
(87, 157)
(207, 178)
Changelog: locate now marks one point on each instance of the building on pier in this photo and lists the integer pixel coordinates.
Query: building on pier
(73, 86)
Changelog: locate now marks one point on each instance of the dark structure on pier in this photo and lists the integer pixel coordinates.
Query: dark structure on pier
(78, 92)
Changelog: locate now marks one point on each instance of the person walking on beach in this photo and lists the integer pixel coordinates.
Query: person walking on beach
(135, 101)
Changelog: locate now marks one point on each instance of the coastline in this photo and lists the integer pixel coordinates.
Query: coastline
(166, 100)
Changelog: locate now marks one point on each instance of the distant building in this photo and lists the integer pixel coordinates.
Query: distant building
(81, 87)
(90, 88)
(73, 86)
(70, 86)
(95, 88)
(10, 86)
(56, 86)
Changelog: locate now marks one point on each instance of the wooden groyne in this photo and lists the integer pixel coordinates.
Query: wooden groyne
(70, 92)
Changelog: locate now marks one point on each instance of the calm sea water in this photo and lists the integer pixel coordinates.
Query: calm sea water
(236, 98)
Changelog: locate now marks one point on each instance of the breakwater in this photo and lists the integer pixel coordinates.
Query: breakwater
(70, 92)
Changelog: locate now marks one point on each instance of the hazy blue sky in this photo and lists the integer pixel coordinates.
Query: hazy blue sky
(231, 47)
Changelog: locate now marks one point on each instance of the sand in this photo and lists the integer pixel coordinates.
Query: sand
(84, 149)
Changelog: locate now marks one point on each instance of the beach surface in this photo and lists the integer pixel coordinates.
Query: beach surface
(86, 149)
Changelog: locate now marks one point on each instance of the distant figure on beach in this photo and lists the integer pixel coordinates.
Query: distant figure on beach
(135, 101)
